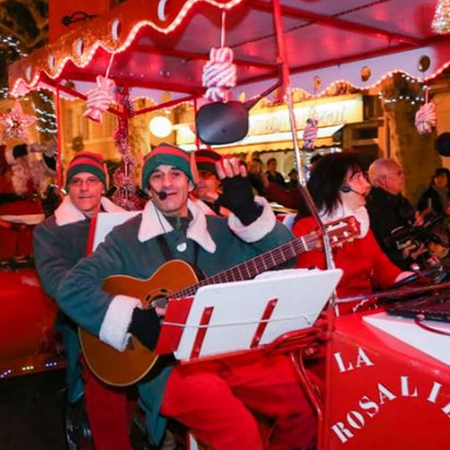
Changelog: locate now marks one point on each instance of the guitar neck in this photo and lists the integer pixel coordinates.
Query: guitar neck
(339, 231)
(249, 269)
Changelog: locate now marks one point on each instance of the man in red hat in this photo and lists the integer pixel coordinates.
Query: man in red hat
(208, 187)
(59, 243)
(213, 402)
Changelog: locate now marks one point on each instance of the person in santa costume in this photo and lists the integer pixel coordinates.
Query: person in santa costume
(339, 189)
(23, 179)
(213, 402)
(59, 243)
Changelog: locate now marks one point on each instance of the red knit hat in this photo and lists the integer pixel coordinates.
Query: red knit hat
(206, 160)
(166, 154)
(87, 162)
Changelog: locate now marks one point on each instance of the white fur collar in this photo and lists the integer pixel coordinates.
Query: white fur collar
(68, 213)
(361, 215)
(154, 224)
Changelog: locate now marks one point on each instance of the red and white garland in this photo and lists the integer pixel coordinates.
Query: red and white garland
(310, 134)
(100, 98)
(426, 116)
(219, 74)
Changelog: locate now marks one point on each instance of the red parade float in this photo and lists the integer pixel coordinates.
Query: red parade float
(387, 380)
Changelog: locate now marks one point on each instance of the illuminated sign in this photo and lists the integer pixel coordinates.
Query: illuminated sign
(330, 112)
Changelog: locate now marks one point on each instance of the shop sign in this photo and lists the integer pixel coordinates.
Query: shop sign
(329, 112)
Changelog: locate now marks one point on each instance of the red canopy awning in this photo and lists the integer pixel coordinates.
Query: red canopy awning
(163, 45)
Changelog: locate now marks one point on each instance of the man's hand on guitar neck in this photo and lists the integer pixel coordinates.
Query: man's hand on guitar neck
(237, 195)
(146, 325)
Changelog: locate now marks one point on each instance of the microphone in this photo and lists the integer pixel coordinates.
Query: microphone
(345, 188)
(161, 194)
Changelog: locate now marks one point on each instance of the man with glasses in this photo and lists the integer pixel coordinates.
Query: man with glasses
(389, 209)
(59, 243)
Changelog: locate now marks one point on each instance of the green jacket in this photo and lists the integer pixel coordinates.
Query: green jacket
(132, 249)
(59, 243)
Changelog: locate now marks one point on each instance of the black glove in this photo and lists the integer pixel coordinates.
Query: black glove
(238, 197)
(20, 150)
(145, 325)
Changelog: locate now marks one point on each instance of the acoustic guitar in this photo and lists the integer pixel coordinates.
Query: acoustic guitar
(177, 279)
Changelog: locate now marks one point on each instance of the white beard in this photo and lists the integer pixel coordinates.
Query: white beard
(29, 169)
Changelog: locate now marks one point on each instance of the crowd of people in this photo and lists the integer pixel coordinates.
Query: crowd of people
(406, 233)
(213, 213)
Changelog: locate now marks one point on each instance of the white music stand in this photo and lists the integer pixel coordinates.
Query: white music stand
(105, 222)
(239, 316)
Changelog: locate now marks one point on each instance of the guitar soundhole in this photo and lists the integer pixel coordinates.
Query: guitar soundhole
(157, 299)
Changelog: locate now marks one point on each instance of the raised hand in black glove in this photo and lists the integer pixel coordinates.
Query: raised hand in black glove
(237, 193)
(145, 325)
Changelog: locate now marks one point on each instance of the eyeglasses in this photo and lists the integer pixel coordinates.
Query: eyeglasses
(90, 182)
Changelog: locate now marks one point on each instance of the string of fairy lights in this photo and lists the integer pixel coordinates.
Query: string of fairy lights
(46, 118)
(414, 95)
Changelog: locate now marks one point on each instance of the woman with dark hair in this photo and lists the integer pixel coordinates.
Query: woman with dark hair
(339, 188)
(437, 197)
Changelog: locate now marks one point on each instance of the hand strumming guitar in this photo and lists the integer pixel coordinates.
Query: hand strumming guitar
(146, 325)
(237, 195)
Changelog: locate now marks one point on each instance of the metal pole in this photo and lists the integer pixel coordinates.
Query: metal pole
(301, 169)
(321, 410)
(59, 131)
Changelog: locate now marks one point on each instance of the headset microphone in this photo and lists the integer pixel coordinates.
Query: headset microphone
(161, 194)
(345, 188)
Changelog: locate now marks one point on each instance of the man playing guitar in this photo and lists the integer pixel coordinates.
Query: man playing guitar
(213, 402)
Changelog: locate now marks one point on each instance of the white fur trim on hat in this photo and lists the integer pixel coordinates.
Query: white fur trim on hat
(262, 226)
(114, 328)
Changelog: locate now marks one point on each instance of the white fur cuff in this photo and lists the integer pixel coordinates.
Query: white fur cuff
(262, 226)
(114, 328)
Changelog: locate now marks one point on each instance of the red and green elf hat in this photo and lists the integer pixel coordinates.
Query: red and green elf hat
(206, 160)
(87, 162)
(166, 154)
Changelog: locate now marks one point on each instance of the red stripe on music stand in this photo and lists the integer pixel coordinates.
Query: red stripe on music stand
(267, 314)
(201, 332)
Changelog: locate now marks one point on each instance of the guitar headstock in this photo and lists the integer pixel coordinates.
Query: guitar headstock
(343, 230)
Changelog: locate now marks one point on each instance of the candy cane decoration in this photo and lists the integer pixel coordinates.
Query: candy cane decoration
(310, 134)
(426, 116)
(99, 98)
(219, 74)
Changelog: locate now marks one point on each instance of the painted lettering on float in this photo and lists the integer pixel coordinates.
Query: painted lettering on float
(361, 360)
(369, 406)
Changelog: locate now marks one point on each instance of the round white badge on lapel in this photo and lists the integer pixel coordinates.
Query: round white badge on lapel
(182, 247)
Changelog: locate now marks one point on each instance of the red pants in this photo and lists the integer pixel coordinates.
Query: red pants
(107, 410)
(213, 404)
